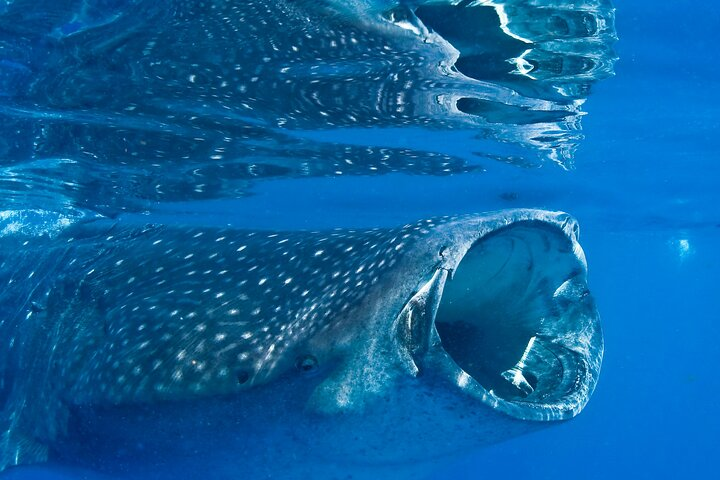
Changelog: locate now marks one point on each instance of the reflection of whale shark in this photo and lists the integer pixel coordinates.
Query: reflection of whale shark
(379, 345)
(138, 105)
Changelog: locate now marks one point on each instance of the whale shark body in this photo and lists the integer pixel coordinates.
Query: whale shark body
(343, 347)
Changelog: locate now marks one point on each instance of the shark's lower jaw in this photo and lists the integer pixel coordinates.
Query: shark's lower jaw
(515, 325)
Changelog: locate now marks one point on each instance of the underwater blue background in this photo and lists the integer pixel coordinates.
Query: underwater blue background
(645, 189)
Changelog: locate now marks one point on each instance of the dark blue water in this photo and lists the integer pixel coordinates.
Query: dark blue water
(177, 114)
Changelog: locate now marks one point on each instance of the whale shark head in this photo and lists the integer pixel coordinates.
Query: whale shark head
(455, 332)
(504, 315)
(511, 322)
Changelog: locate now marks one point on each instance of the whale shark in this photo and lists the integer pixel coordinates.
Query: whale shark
(315, 349)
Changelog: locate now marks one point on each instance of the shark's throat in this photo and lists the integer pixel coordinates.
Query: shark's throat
(517, 319)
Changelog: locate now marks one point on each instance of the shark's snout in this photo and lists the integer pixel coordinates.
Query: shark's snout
(513, 324)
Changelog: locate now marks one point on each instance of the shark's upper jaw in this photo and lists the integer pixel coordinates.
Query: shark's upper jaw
(513, 324)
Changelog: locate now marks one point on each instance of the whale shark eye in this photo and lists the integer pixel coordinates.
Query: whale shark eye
(306, 363)
(243, 377)
(36, 307)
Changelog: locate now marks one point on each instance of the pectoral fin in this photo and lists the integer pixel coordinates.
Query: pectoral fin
(18, 448)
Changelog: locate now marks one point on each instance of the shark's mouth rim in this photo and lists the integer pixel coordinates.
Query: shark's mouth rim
(570, 345)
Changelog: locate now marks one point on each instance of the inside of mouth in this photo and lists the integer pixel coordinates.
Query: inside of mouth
(506, 317)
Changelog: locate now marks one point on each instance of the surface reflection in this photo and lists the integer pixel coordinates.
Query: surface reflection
(110, 106)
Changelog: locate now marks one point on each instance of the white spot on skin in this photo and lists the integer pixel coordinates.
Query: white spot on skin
(463, 379)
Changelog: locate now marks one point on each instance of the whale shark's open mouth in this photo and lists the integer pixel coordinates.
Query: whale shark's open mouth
(517, 326)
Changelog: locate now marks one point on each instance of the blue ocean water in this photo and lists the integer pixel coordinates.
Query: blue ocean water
(305, 115)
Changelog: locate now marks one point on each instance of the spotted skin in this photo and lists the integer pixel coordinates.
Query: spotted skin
(170, 311)
(107, 315)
